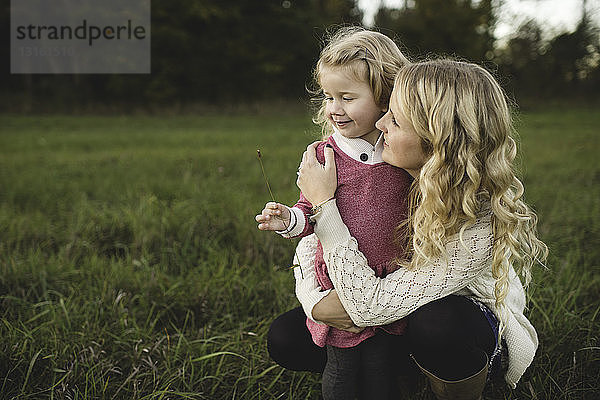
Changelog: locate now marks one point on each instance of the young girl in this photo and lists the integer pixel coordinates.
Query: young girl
(471, 234)
(355, 73)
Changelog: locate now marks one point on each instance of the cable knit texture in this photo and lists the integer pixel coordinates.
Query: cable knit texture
(308, 291)
(467, 271)
(372, 200)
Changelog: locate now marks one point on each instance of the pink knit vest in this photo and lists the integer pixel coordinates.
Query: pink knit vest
(373, 201)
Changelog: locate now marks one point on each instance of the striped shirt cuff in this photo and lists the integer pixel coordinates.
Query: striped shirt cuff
(297, 223)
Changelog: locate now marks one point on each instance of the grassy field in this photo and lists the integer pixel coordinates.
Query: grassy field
(131, 267)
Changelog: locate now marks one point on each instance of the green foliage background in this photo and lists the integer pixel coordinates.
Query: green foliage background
(131, 267)
(216, 53)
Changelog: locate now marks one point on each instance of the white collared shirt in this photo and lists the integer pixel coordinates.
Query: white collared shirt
(355, 147)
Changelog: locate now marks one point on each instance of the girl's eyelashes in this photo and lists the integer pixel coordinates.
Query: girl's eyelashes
(344, 98)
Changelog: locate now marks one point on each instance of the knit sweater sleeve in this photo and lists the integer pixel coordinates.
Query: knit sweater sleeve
(370, 300)
(308, 291)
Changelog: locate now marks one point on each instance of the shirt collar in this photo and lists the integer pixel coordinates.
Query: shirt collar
(355, 147)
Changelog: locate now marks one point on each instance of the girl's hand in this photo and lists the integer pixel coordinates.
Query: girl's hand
(331, 312)
(316, 181)
(274, 217)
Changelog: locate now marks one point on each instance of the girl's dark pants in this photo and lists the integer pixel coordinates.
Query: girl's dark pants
(445, 336)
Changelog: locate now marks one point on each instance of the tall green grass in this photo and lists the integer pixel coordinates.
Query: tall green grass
(131, 267)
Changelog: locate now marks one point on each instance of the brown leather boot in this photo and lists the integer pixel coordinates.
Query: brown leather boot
(470, 388)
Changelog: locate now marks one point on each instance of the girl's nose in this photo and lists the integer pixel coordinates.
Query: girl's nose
(336, 107)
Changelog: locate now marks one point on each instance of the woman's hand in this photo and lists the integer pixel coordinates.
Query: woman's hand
(317, 181)
(331, 312)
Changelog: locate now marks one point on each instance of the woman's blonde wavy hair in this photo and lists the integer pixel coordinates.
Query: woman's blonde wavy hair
(369, 56)
(463, 119)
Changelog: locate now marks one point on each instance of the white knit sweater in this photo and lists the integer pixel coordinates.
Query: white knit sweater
(371, 301)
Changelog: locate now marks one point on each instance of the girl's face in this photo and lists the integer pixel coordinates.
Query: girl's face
(350, 105)
(402, 146)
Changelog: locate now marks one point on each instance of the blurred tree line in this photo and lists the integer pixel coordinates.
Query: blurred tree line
(240, 51)
(529, 66)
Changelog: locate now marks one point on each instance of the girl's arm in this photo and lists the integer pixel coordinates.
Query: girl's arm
(371, 301)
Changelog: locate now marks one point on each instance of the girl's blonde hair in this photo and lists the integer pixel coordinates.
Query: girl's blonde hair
(462, 116)
(369, 56)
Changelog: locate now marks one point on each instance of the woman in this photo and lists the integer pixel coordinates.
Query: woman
(469, 233)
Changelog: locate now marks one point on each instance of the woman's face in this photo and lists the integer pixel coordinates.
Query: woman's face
(402, 146)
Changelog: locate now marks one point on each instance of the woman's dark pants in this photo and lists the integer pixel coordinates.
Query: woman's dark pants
(445, 336)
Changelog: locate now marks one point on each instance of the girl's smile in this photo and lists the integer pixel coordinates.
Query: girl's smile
(350, 105)
(342, 124)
